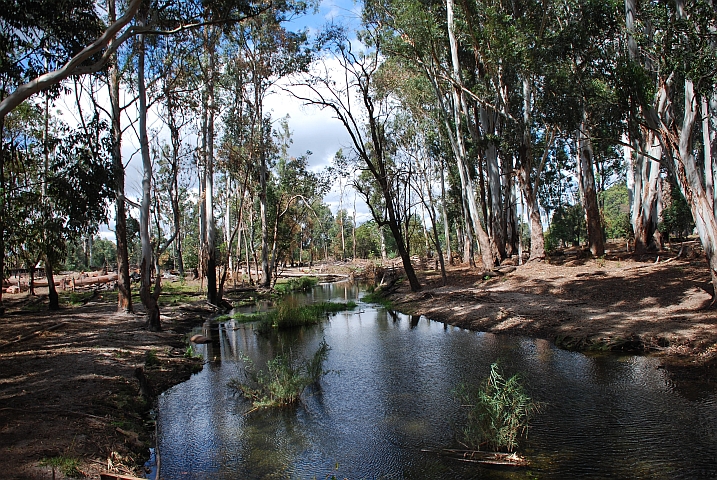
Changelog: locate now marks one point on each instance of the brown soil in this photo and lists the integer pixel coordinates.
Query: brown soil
(72, 391)
(657, 303)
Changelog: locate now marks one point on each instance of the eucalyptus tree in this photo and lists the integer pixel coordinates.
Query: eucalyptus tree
(366, 127)
(645, 96)
(54, 198)
(33, 39)
(683, 57)
(268, 52)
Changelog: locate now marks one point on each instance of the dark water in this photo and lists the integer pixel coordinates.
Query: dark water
(603, 417)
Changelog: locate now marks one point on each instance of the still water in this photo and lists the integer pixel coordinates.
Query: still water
(390, 401)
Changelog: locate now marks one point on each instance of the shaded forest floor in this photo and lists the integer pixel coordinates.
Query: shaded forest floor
(70, 391)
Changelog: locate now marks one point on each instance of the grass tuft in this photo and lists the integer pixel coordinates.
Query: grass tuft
(68, 466)
(284, 380)
(299, 284)
(290, 315)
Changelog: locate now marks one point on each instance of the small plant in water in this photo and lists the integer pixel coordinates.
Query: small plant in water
(498, 412)
(284, 380)
(300, 284)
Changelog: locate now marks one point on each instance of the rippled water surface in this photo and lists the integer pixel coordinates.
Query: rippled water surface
(390, 406)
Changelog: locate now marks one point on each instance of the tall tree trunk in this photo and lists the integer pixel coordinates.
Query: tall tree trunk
(460, 150)
(690, 180)
(52, 291)
(530, 190)
(263, 207)
(510, 213)
(147, 264)
(644, 155)
(444, 214)
(3, 206)
(587, 188)
(643, 176)
(384, 254)
(124, 288)
(211, 247)
(174, 183)
(495, 189)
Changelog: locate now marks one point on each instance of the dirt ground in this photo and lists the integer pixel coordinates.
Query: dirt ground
(71, 390)
(657, 304)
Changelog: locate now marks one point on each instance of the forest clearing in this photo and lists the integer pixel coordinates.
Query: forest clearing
(73, 392)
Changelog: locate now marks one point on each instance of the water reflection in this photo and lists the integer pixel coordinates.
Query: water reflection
(603, 416)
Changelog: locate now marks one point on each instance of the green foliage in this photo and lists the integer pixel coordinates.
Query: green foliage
(151, 359)
(284, 380)
(677, 221)
(567, 227)
(299, 284)
(290, 315)
(616, 211)
(368, 240)
(377, 297)
(498, 412)
(68, 466)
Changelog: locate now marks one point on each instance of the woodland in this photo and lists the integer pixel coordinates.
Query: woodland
(512, 146)
(480, 131)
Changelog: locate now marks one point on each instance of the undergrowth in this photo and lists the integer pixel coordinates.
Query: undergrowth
(68, 466)
(377, 298)
(290, 315)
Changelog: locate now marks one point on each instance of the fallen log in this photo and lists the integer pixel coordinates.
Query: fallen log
(479, 456)
(117, 476)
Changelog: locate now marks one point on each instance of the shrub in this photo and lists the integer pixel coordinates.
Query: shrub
(70, 467)
(677, 221)
(498, 412)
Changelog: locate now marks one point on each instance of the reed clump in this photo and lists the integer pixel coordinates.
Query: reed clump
(498, 412)
(299, 284)
(284, 379)
(290, 315)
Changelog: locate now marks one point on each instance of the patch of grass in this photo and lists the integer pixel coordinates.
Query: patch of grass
(290, 315)
(299, 284)
(284, 380)
(75, 299)
(68, 466)
(241, 317)
(151, 359)
(498, 412)
(377, 298)
(177, 292)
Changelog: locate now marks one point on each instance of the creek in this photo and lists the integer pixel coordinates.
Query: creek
(389, 405)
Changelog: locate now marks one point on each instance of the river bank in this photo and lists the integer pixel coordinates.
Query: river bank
(655, 304)
(77, 387)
